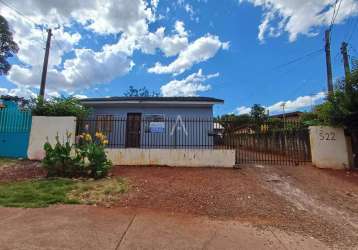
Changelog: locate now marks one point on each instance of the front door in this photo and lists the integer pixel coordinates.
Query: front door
(133, 130)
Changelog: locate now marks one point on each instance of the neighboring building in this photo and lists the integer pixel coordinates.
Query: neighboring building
(153, 122)
(290, 116)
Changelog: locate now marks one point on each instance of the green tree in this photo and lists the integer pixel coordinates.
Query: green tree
(258, 114)
(142, 92)
(7, 46)
(342, 103)
(232, 122)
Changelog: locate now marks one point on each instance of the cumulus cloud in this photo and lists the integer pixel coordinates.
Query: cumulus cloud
(101, 16)
(200, 50)
(299, 103)
(299, 17)
(169, 45)
(189, 86)
(85, 67)
(21, 91)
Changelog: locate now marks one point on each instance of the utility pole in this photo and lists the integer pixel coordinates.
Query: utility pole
(284, 114)
(328, 61)
(44, 68)
(344, 52)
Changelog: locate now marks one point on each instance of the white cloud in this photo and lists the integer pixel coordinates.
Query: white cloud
(242, 110)
(129, 19)
(299, 103)
(299, 16)
(101, 16)
(169, 45)
(20, 91)
(86, 69)
(189, 86)
(200, 50)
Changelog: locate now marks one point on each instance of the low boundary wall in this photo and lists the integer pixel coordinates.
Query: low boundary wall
(173, 157)
(45, 128)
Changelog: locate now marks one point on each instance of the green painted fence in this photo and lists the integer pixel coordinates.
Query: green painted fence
(15, 126)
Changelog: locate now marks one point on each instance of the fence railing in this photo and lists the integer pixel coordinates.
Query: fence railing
(152, 133)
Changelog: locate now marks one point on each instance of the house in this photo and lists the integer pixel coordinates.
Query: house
(153, 122)
(290, 116)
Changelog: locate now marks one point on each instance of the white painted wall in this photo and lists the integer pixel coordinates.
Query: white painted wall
(45, 128)
(173, 157)
(329, 147)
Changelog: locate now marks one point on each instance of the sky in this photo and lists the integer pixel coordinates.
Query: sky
(245, 52)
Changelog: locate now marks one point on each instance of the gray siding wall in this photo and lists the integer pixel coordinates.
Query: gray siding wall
(196, 120)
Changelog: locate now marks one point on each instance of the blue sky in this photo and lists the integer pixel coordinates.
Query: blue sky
(230, 49)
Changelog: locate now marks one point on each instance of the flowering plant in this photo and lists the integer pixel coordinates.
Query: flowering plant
(86, 158)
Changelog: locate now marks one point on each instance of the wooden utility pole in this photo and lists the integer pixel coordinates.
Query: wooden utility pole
(328, 61)
(44, 67)
(344, 52)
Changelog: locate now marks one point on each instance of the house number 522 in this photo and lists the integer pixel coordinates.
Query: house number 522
(327, 136)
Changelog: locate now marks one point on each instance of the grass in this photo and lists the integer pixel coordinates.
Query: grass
(42, 193)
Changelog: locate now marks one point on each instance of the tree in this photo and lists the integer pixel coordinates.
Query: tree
(142, 92)
(232, 122)
(258, 114)
(341, 104)
(7, 46)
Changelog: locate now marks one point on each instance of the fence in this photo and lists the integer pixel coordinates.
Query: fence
(261, 142)
(123, 132)
(15, 125)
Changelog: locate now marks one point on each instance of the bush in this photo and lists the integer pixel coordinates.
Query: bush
(85, 159)
(59, 106)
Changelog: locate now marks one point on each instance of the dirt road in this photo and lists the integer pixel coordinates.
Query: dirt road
(317, 203)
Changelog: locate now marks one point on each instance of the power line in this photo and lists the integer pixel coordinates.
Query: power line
(18, 12)
(335, 13)
(310, 54)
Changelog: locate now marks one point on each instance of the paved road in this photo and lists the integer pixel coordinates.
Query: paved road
(86, 227)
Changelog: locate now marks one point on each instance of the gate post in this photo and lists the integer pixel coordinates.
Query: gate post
(329, 147)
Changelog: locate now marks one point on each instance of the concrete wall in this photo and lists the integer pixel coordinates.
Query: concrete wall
(45, 128)
(329, 147)
(173, 157)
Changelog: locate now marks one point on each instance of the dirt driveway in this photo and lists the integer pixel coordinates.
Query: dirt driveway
(304, 200)
(318, 203)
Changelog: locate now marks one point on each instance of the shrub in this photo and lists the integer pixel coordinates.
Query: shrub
(59, 106)
(85, 159)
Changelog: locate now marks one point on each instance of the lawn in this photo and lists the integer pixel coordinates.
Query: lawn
(42, 193)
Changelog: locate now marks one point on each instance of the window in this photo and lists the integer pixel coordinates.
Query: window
(104, 123)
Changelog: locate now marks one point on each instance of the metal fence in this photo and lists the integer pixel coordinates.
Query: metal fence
(261, 142)
(135, 132)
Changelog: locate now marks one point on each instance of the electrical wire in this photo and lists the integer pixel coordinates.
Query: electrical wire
(310, 54)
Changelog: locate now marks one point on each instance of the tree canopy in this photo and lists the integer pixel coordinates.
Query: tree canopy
(7, 46)
(141, 92)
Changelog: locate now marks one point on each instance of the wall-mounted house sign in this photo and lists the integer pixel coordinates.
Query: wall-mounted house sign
(156, 123)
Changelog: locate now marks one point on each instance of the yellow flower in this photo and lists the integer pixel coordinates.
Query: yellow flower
(88, 137)
(105, 142)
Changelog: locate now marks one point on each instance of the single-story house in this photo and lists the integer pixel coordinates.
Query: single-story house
(153, 122)
(290, 116)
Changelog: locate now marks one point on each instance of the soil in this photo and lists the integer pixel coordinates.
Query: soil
(302, 199)
(312, 202)
(17, 170)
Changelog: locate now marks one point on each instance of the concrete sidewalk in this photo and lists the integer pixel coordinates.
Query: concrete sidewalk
(86, 227)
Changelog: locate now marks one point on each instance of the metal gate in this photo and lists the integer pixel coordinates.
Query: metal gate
(15, 125)
(276, 143)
